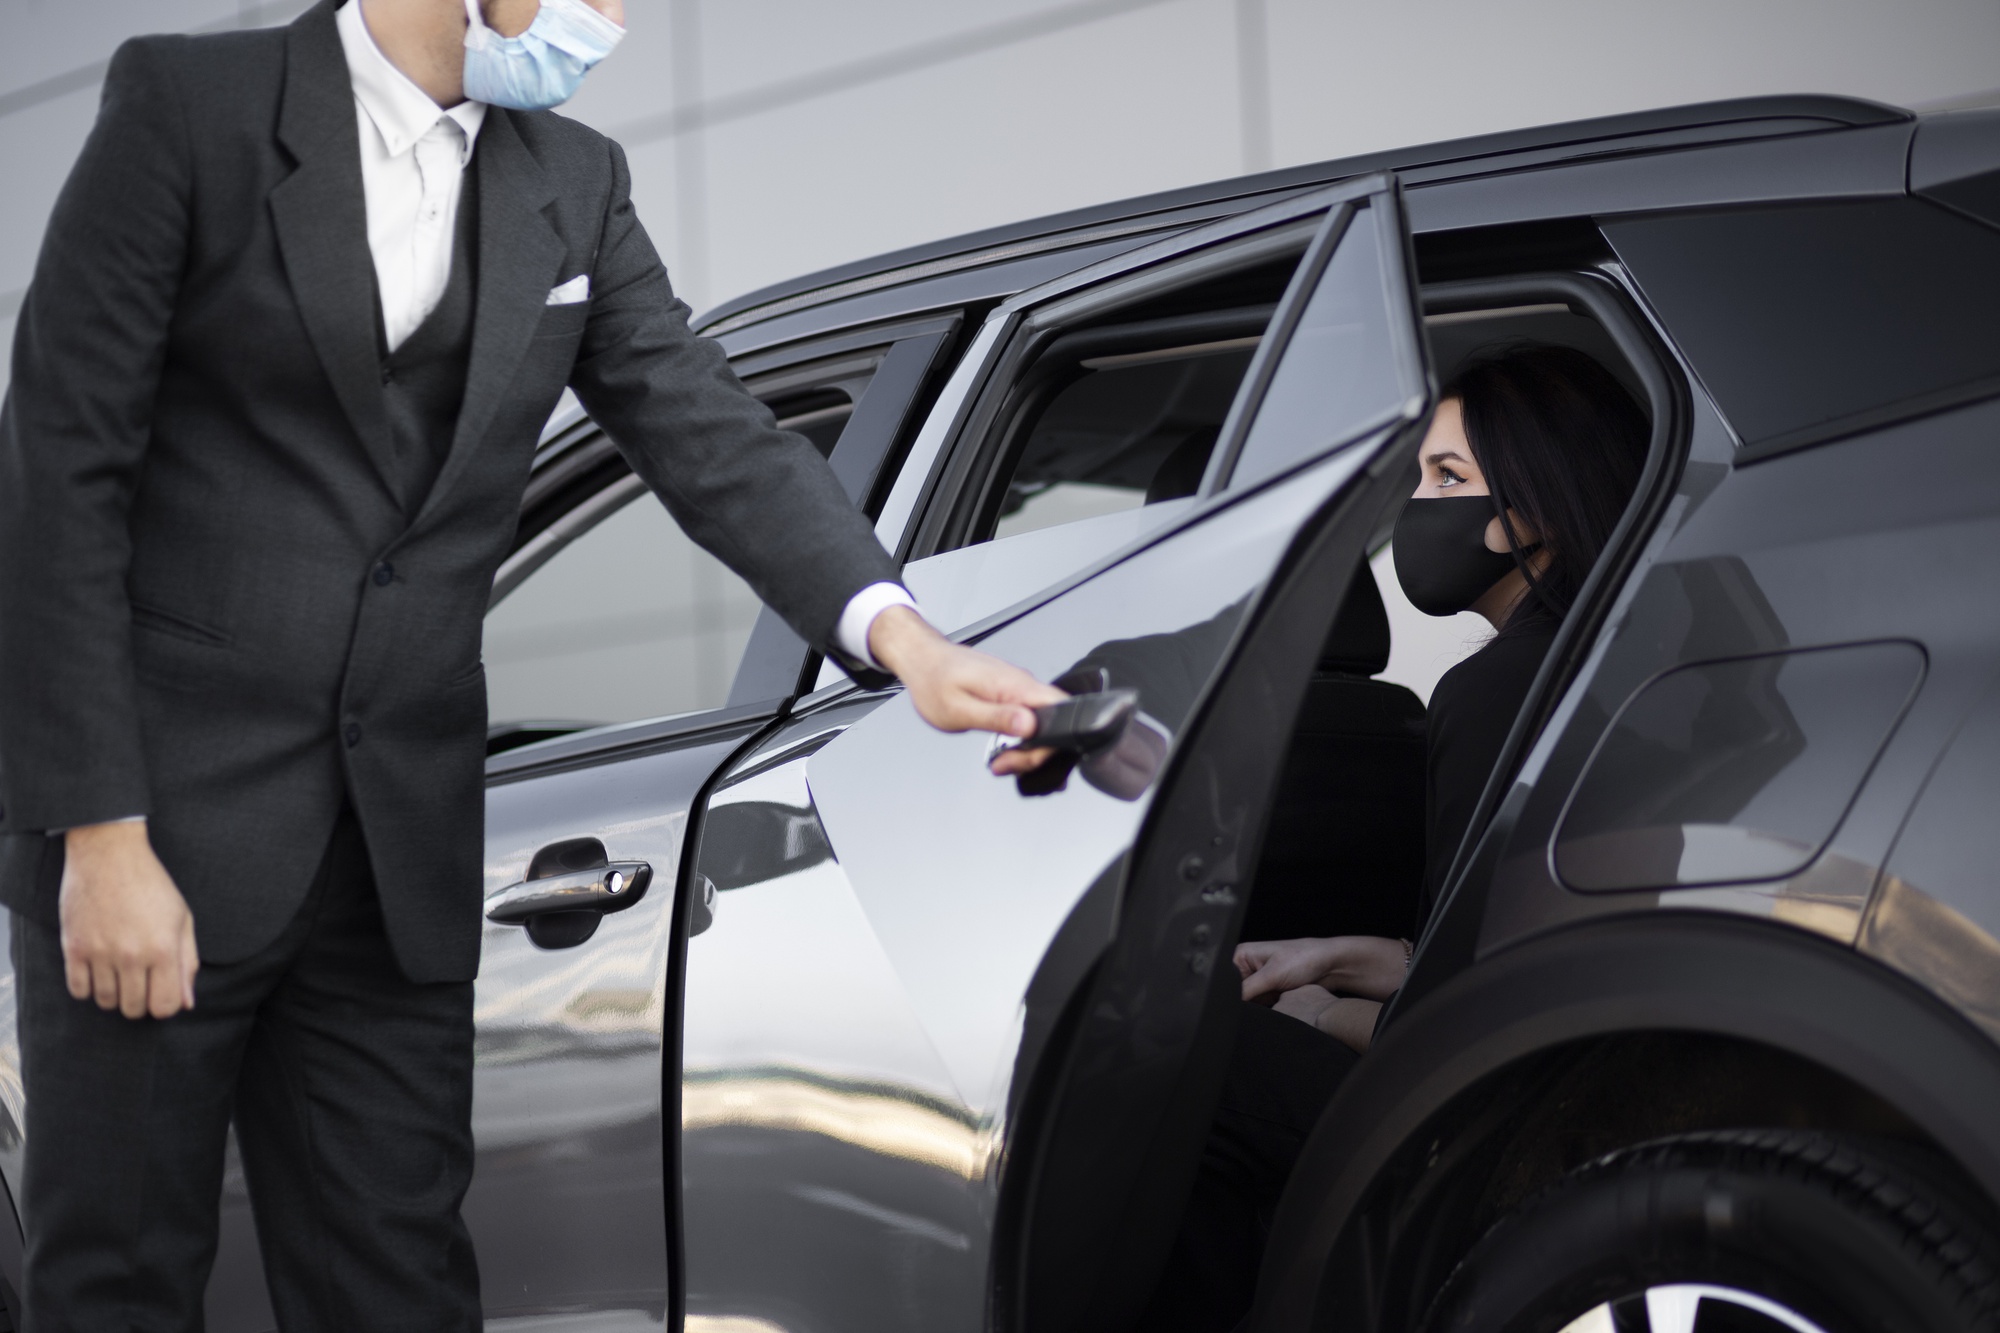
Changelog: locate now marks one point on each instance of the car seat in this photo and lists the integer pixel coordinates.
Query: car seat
(1344, 853)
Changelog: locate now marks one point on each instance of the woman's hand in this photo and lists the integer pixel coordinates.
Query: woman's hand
(1366, 965)
(1347, 1020)
(1271, 968)
(1350, 1021)
(1305, 1003)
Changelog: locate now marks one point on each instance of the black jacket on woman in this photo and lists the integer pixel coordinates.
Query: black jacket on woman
(1471, 711)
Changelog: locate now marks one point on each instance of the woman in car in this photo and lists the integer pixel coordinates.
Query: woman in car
(1549, 439)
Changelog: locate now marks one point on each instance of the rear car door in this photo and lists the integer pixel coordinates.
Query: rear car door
(890, 928)
(612, 650)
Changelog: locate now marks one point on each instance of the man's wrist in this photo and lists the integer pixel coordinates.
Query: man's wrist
(86, 838)
(898, 638)
(854, 634)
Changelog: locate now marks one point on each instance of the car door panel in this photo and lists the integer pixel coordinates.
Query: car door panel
(570, 1202)
(568, 1205)
(852, 1016)
(853, 1029)
(900, 800)
(827, 1163)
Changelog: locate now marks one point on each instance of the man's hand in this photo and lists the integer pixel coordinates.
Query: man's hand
(127, 934)
(956, 688)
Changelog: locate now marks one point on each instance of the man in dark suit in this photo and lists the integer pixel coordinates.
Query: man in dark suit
(301, 313)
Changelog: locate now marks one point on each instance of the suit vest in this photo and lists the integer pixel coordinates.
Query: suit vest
(423, 380)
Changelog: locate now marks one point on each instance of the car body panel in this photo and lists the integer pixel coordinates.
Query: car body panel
(844, 979)
(570, 1201)
(1748, 569)
(1935, 914)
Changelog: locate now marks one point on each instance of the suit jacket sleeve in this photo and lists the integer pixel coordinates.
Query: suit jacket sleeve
(73, 433)
(762, 500)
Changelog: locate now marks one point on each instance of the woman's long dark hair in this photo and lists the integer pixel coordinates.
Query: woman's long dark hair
(1561, 443)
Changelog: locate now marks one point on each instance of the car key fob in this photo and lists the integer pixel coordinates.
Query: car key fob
(1083, 722)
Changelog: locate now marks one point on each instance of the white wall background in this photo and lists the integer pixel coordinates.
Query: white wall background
(770, 137)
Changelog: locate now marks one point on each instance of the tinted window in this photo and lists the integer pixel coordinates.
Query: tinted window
(1802, 319)
(630, 620)
(1339, 372)
(1132, 430)
(1734, 770)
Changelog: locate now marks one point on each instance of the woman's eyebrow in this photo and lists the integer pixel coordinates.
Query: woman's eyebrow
(1445, 455)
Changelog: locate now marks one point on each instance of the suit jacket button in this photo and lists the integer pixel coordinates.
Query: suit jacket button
(351, 733)
(385, 574)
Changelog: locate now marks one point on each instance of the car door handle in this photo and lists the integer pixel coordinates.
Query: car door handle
(1083, 722)
(601, 889)
(1098, 732)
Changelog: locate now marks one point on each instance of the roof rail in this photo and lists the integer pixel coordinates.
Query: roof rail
(1786, 114)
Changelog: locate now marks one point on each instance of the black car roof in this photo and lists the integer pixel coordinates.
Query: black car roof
(1635, 132)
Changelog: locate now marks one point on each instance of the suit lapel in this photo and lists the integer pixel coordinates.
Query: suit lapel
(519, 253)
(321, 217)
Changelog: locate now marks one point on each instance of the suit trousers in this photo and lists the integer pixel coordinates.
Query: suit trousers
(351, 1091)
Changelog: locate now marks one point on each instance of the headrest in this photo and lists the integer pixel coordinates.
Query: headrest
(1358, 643)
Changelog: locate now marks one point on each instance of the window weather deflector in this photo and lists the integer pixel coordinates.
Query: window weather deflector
(1269, 218)
(1371, 201)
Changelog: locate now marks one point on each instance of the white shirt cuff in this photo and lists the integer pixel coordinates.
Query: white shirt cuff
(122, 819)
(851, 634)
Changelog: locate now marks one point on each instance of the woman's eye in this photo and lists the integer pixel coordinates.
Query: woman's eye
(1447, 479)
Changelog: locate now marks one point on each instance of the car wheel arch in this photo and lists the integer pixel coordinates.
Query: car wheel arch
(1525, 1017)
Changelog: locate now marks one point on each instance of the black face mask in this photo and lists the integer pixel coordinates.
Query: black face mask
(1441, 556)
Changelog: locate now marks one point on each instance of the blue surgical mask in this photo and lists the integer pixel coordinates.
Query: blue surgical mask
(544, 66)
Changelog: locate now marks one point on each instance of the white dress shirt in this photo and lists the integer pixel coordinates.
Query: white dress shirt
(413, 159)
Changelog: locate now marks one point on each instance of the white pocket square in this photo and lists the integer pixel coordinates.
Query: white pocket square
(576, 290)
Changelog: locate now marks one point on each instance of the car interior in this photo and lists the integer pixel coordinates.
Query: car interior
(1344, 850)
(1116, 414)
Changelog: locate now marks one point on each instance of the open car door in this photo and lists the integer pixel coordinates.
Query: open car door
(924, 1004)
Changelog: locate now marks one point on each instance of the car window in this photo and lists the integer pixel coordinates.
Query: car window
(1130, 430)
(629, 620)
(1341, 360)
(1811, 322)
(618, 616)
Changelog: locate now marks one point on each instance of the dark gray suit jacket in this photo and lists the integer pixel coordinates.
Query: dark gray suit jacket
(195, 488)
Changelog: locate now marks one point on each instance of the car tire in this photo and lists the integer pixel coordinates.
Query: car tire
(1777, 1231)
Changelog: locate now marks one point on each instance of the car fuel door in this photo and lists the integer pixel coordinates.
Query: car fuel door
(859, 994)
